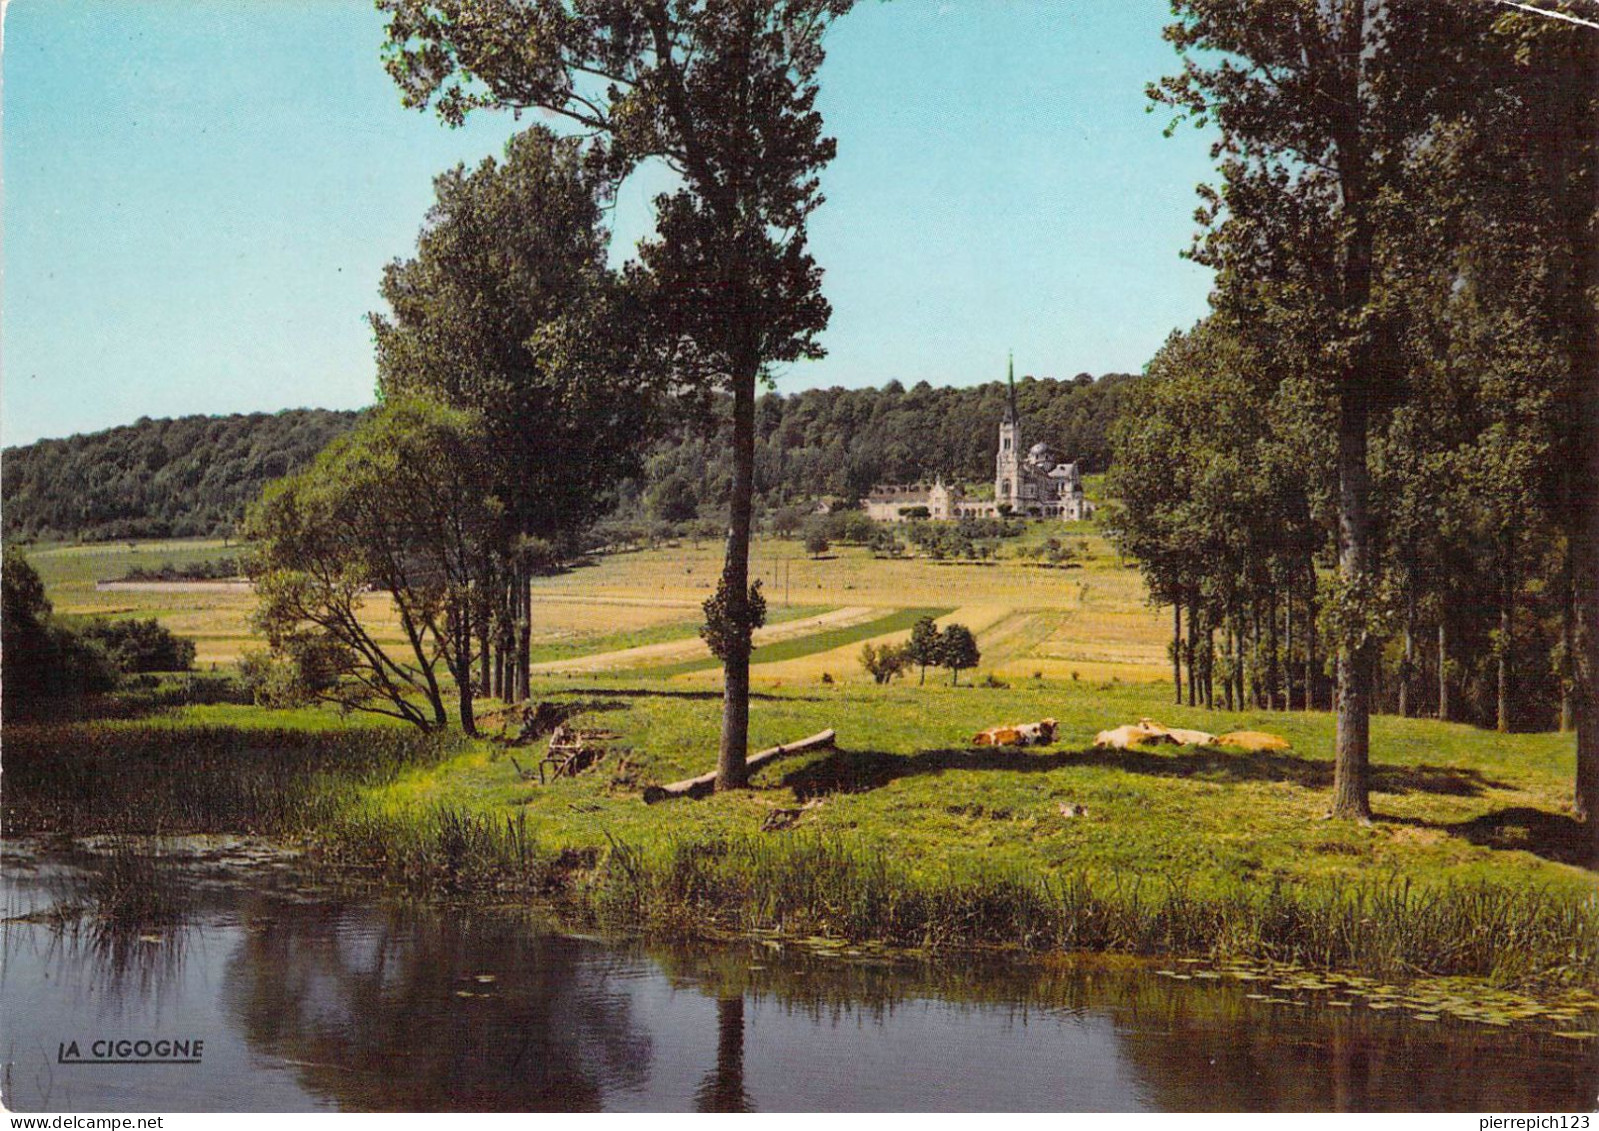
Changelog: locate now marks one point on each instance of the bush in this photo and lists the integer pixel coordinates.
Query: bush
(885, 662)
(297, 673)
(43, 659)
(141, 645)
(221, 569)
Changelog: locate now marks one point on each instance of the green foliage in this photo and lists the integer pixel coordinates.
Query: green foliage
(403, 507)
(216, 569)
(672, 499)
(816, 543)
(189, 477)
(839, 442)
(44, 661)
(728, 624)
(508, 311)
(957, 650)
(925, 648)
(885, 662)
(140, 645)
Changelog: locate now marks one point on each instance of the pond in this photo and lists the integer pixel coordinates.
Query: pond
(307, 1000)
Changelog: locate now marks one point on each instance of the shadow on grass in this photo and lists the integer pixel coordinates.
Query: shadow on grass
(1553, 836)
(854, 771)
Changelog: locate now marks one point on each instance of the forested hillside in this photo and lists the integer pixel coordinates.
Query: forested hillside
(193, 476)
(178, 478)
(841, 441)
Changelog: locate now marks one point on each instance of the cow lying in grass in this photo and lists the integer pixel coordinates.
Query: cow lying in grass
(1041, 733)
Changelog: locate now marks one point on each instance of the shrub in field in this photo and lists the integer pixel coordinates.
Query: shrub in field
(44, 660)
(884, 662)
(141, 645)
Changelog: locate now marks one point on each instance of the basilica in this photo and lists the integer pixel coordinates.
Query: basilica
(1039, 484)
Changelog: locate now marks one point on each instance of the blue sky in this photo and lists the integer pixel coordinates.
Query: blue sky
(199, 198)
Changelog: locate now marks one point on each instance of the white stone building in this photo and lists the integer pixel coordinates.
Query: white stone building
(1040, 484)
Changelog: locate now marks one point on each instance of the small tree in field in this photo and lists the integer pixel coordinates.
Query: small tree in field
(925, 647)
(884, 662)
(816, 543)
(958, 651)
(400, 508)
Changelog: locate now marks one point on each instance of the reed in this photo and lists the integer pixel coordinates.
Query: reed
(87, 778)
(820, 886)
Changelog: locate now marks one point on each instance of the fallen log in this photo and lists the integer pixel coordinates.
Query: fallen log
(705, 783)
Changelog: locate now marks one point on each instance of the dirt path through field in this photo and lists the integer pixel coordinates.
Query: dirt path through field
(675, 651)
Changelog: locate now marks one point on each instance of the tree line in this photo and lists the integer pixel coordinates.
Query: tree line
(190, 477)
(838, 443)
(1364, 480)
(193, 476)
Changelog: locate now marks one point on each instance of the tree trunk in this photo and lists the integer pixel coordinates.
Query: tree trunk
(1583, 323)
(500, 612)
(1353, 696)
(1507, 632)
(1272, 683)
(1352, 744)
(459, 626)
(1192, 649)
(1210, 666)
(1408, 664)
(1256, 682)
(1568, 643)
(1177, 650)
(485, 631)
(524, 634)
(1443, 671)
(1310, 640)
(730, 771)
(1288, 647)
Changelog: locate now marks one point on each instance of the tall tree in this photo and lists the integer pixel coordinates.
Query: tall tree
(724, 92)
(508, 311)
(1312, 115)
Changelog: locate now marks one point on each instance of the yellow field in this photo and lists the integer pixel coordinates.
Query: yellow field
(636, 610)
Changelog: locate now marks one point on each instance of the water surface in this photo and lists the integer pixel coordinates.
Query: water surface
(310, 1001)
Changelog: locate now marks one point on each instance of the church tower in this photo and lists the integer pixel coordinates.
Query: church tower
(1007, 464)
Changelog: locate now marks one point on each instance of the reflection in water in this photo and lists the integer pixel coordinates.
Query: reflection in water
(307, 1004)
(408, 1012)
(723, 1089)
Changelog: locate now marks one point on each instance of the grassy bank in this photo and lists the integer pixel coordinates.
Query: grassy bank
(904, 834)
(907, 835)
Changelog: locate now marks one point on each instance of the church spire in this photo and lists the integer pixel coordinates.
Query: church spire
(1011, 416)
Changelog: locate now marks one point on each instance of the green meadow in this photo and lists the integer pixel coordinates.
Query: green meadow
(904, 832)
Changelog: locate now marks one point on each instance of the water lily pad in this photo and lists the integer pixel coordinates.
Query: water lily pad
(1577, 1035)
(483, 978)
(1340, 1004)
(1424, 1016)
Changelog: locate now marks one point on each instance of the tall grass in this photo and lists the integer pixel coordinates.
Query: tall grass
(129, 889)
(817, 886)
(80, 779)
(447, 851)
